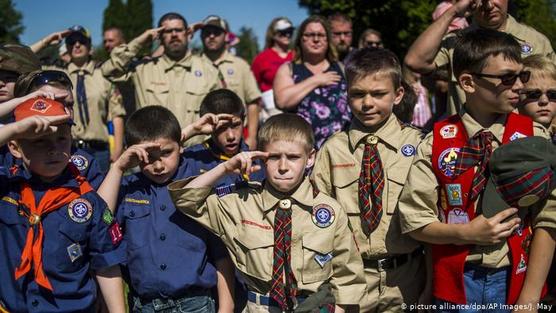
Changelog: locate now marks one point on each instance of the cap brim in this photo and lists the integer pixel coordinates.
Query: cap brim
(492, 202)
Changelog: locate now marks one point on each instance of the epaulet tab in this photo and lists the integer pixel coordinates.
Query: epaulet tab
(228, 189)
(98, 64)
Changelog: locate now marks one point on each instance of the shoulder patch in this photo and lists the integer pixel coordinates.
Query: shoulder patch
(408, 150)
(80, 210)
(323, 215)
(107, 217)
(80, 162)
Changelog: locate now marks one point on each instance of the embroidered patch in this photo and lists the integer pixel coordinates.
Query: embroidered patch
(458, 216)
(79, 161)
(224, 190)
(453, 193)
(137, 201)
(230, 71)
(107, 217)
(74, 252)
(115, 233)
(517, 135)
(80, 210)
(323, 215)
(322, 259)
(522, 266)
(408, 150)
(447, 161)
(40, 106)
(198, 73)
(449, 131)
(10, 200)
(526, 48)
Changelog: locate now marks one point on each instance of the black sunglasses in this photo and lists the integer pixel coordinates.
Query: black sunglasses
(8, 76)
(285, 33)
(71, 40)
(207, 31)
(46, 77)
(535, 94)
(508, 79)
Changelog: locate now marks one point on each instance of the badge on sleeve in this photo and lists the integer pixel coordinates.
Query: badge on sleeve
(74, 252)
(447, 161)
(453, 192)
(517, 135)
(408, 150)
(80, 210)
(458, 216)
(526, 48)
(323, 215)
(449, 131)
(79, 161)
(115, 233)
(230, 71)
(198, 73)
(322, 259)
(107, 217)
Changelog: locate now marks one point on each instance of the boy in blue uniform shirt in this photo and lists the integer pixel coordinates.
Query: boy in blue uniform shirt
(56, 231)
(172, 261)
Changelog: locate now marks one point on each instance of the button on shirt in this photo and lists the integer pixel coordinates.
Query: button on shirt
(418, 201)
(244, 220)
(337, 170)
(167, 252)
(90, 244)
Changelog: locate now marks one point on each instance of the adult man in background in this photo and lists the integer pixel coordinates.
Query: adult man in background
(342, 34)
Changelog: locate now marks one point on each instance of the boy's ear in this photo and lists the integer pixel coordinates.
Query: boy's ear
(399, 95)
(311, 158)
(466, 82)
(15, 149)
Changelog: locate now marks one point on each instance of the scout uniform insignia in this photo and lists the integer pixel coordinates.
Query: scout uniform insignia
(40, 106)
(323, 215)
(198, 73)
(522, 266)
(230, 71)
(449, 131)
(115, 233)
(447, 161)
(453, 191)
(74, 252)
(80, 210)
(107, 217)
(322, 259)
(526, 48)
(408, 150)
(79, 161)
(458, 216)
(517, 135)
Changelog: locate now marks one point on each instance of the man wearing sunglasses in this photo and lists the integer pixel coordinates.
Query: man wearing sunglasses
(98, 102)
(431, 52)
(233, 72)
(177, 80)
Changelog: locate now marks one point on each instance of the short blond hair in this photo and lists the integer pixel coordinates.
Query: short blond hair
(539, 65)
(288, 127)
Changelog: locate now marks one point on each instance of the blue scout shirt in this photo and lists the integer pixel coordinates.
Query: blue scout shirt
(168, 253)
(72, 247)
(85, 163)
(203, 157)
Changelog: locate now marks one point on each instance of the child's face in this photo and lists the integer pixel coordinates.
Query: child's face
(46, 156)
(227, 136)
(286, 164)
(372, 98)
(163, 162)
(490, 93)
(538, 99)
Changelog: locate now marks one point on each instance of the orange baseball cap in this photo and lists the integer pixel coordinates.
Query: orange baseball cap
(40, 106)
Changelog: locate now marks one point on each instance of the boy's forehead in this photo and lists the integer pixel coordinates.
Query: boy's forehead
(372, 80)
(280, 145)
(501, 62)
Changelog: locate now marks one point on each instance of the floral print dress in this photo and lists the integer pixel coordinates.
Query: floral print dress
(325, 108)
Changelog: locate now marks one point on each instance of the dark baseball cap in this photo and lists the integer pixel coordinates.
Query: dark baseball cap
(34, 80)
(18, 59)
(216, 21)
(521, 174)
(78, 33)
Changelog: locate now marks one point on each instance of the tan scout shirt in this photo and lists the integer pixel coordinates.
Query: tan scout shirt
(103, 100)
(237, 76)
(179, 86)
(531, 41)
(418, 201)
(336, 173)
(244, 220)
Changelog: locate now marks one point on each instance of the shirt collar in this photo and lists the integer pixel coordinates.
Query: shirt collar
(472, 127)
(387, 133)
(302, 195)
(87, 68)
(169, 64)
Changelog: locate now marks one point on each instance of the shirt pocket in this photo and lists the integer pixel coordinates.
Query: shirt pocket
(255, 253)
(346, 186)
(137, 226)
(317, 257)
(195, 90)
(158, 94)
(72, 248)
(396, 181)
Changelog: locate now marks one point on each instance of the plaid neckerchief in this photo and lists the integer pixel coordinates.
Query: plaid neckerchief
(371, 185)
(283, 290)
(476, 152)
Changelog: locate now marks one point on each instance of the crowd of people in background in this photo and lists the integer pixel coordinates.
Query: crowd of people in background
(326, 176)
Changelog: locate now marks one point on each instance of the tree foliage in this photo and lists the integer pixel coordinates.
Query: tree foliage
(539, 14)
(247, 48)
(10, 22)
(133, 17)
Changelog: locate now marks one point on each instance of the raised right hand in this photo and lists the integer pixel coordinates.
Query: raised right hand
(242, 163)
(488, 231)
(465, 8)
(37, 126)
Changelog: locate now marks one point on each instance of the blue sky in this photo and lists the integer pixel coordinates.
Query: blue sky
(44, 17)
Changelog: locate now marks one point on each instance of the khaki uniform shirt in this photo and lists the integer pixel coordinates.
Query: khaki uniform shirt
(337, 172)
(103, 100)
(244, 220)
(418, 204)
(531, 41)
(179, 86)
(237, 77)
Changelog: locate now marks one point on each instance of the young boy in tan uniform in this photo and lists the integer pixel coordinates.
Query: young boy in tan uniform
(289, 241)
(477, 259)
(393, 262)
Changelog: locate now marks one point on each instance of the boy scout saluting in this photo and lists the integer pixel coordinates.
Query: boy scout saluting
(178, 80)
(364, 168)
(290, 242)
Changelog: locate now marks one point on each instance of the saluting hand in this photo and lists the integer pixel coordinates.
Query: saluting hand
(135, 155)
(488, 231)
(150, 34)
(37, 126)
(242, 163)
(465, 8)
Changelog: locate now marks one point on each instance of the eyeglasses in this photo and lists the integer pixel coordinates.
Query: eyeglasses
(345, 34)
(171, 30)
(508, 79)
(46, 77)
(536, 94)
(314, 36)
(285, 33)
(8, 76)
(215, 31)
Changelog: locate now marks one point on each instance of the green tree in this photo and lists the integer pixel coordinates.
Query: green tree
(539, 14)
(115, 15)
(10, 22)
(247, 48)
(139, 17)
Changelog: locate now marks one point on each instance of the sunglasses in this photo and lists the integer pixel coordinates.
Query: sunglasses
(8, 76)
(345, 34)
(373, 44)
(508, 79)
(285, 33)
(47, 77)
(536, 94)
(215, 31)
(72, 40)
